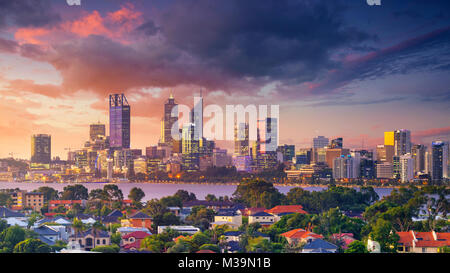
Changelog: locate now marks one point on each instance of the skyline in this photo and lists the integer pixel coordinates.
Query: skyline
(364, 70)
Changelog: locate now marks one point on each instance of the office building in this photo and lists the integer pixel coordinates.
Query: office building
(439, 160)
(190, 148)
(385, 153)
(406, 168)
(344, 167)
(337, 143)
(402, 142)
(288, 152)
(384, 170)
(119, 122)
(241, 139)
(97, 131)
(320, 142)
(331, 154)
(41, 150)
(169, 120)
(418, 152)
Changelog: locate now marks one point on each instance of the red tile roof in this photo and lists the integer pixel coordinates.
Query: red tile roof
(284, 209)
(136, 234)
(406, 238)
(135, 244)
(424, 239)
(300, 234)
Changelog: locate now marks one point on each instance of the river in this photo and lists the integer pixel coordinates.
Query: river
(158, 190)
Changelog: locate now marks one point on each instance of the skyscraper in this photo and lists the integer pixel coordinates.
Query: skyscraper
(288, 152)
(97, 130)
(197, 117)
(320, 142)
(418, 152)
(119, 121)
(241, 139)
(439, 160)
(168, 121)
(41, 149)
(344, 167)
(406, 168)
(190, 148)
(337, 143)
(402, 142)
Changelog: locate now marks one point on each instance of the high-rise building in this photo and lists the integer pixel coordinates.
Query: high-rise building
(119, 122)
(268, 130)
(303, 157)
(337, 143)
(366, 163)
(344, 167)
(190, 148)
(168, 120)
(385, 153)
(97, 131)
(384, 170)
(41, 149)
(331, 154)
(320, 142)
(389, 138)
(418, 152)
(402, 142)
(439, 160)
(288, 152)
(406, 168)
(241, 139)
(197, 118)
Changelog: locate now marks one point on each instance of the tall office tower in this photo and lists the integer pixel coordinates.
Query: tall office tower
(319, 155)
(220, 158)
(385, 153)
(303, 157)
(406, 168)
(320, 142)
(439, 160)
(389, 139)
(366, 163)
(288, 152)
(268, 130)
(331, 154)
(344, 167)
(402, 142)
(168, 121)
(41, 149)
(119, 122)
(197, 118)
(418, 152)
(123, 159)
(241, 139)
(97, 131)
(337, 143)
(384, 170)
(190, 147)
(396, 166)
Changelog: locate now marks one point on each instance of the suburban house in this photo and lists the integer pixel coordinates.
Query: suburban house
(13, 218)
(300, 235)
(180, 229)
(264, 218)
(280, 211)
(215, 205)
(91, 238)
(67, 204)
(345, 238)
(126, 230)
(51, 234)
(319, 246)
(232, 236)
(112, 217)
(249, 211)
(230, 218)
(138, 219)
(422, 242)
(132, 241)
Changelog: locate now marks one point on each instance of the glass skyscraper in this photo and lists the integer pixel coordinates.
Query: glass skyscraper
(41, 149)
(168, 121)
(119, 121)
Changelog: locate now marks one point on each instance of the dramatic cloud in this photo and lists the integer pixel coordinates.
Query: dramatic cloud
(24, 13)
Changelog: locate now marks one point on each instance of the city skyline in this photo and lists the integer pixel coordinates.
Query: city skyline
(384, 68)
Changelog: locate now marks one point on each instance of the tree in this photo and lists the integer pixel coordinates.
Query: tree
(356, 247)
(136, 194)
(97, 194)
(185, 196)
(49, 193)
(75, 192)
(181, 246)
(32, 246)
(200, 217)
(113, 193)
(258, 193)
(385, 235)
(211, 247)
(11, 237)
(211, 197)
(107, 249)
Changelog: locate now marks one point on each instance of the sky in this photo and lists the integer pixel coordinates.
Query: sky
(335, 68)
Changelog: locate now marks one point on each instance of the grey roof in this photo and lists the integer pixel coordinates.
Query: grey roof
(227, 213)
(319, 250)
(45, 240)
(6, 213)
(115, 213)
(233, 233)
(318, 244)
(261, 213)
(139, 215)
(44, 230)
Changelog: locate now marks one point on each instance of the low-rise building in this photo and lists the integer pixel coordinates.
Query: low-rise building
(181, 229)
(91, 238)
(422, 242)
(264, 218)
